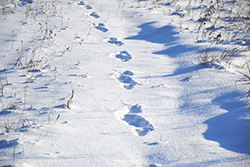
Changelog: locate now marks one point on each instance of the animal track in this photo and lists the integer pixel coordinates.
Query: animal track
(81, 3)
(125, 78)
(101, 27)
(95, 15)
(88, 7)
(135, 109)
(124, 56)
(113, 40)
(141, 124)
(25, 2)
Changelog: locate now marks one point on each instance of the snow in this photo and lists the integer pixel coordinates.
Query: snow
(119, 83)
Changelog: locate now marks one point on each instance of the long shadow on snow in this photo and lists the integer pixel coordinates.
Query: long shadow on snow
(8, 144)
(176, 50)
(163, 35)
(230, 130)
(168, 36)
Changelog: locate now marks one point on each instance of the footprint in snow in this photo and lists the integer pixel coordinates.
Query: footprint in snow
(113, 40)
(125, 78)
(88, 7)
(124, 56)
(142, 125)
(95, 15)
(101, 27)
(25, 2)
(80, 3)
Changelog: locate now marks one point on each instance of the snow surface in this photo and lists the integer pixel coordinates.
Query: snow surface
(115, 83)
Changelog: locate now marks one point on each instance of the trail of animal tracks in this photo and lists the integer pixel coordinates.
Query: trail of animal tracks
(113, 83)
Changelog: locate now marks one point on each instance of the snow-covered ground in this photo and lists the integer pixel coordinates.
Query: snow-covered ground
(123, 83)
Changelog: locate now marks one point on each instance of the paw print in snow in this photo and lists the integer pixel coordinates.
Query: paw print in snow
(113, 40)
(142, 125)
(124, 56)
(125, 78)
(101, 27)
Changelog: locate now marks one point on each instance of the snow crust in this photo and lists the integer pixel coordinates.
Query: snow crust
(115, 83)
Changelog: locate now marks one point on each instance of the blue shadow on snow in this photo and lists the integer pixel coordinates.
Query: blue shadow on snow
(176, 50)
(125, 78)
(95, 15)
(142, 125)
(8, 144)
(25, 2)
(124, 56)
(231, 130)
(113, 40)
(101, 27)
(164, 35)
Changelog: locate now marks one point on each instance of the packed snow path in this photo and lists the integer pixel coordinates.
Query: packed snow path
(137, 99)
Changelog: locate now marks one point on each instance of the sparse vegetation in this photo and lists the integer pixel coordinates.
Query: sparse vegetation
(32, 60)
(222, 28)
(69, 101)
(41, 57)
